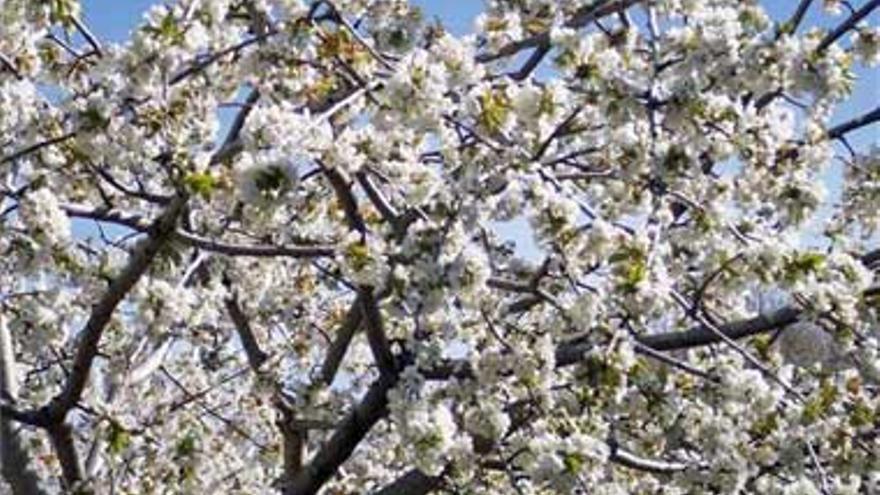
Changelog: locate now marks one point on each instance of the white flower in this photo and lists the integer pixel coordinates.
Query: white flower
(833, 7)
(264, 180)
(487, 420)
(866, 43)
(163, 304)
(802, 486)
(42, 213)
(470, 270)
(197, 37)
(363, 259)
(458, 58)
(431, 432)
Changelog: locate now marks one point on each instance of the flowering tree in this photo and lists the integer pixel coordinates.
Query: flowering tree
(262, 246)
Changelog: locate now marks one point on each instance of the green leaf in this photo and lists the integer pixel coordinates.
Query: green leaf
(861, 415)
(786, 28)
(495, 108)
(766, 425)
(92, 119)
(573, 462)
(168, 30)
(762, 345)
(821, 403)
(802, 264)
(62, 12)
(428, 442)
(399, 39)
(546, 104)
(358, 255)
(201, 183)
(186, 446)
(625, 253)
(587, 71)
(118, 438)
(632, 268)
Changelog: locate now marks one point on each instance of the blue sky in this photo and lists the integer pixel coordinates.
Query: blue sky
(112, 19)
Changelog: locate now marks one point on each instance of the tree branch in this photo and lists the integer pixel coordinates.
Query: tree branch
(848, 24)
(88, 35)
(343, 336)
(158, 234)
(340, 185)
(633, 461)
(376, 333)
(36, 147)
(791, 25)
(256, 357)
(413, 482)
(294, 439)
(573, 352)
(841, 129)
(9, 65)
(138, 223)
(15, 462)
(61, 437)
(347, 436)
(582, 17)
(205, 62)
(258, 251)
(532, 63)
(871, 258)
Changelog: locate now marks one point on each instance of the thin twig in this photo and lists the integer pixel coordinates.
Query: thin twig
(88, 35)
(848, 24)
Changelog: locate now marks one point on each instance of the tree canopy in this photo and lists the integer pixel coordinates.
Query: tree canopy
(595, 246)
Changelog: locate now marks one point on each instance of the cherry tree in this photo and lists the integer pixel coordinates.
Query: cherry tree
(278, 246)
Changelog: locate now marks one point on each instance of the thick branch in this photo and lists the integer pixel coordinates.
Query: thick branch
(376, 333)
(15, 462)
(701, 335)
(571, 353)
(342, 339)
(294, 438)
(159, 233)
(413, 482)
(344, 440)
(61, 437)
(256, 357)
(341, 187)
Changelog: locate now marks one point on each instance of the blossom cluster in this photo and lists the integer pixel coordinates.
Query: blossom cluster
(332, 247)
